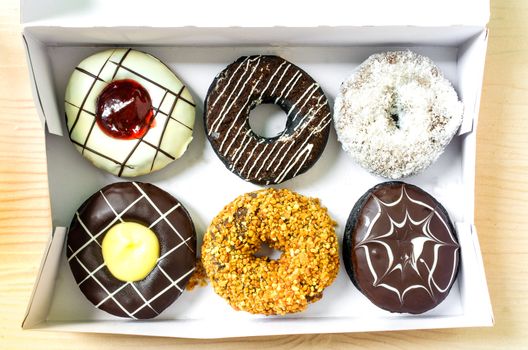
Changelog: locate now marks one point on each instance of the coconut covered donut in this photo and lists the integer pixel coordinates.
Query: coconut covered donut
(396, 114)
(294, 224)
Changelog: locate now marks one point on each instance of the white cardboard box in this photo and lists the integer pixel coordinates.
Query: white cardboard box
(328, 40)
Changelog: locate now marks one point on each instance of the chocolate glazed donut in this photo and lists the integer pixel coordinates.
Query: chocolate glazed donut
(400, 248)
(134, 202)
(245, 84)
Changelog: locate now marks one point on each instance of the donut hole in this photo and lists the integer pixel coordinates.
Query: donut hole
(396, 119)
(395, 111)
(267, 120)
(266, 251)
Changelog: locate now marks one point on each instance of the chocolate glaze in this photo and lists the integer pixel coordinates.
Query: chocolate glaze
(147, 205)
(245, 84)
(400, 248)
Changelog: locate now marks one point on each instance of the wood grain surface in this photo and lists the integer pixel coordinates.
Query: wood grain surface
(501, 207)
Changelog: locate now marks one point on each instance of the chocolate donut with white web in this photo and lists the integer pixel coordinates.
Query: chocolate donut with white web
(253, 80)
(400, 248)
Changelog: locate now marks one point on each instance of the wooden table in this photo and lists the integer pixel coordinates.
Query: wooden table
(501, 201)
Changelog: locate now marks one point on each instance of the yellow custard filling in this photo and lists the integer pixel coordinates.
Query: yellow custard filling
(130, 251)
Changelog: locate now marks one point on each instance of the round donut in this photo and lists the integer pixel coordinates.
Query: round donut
(286, 221)
(245, 84)
(152, 207)
(127, 113)
(396, 114)
(400, 248)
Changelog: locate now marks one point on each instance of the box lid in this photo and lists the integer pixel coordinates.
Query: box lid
(269, 13)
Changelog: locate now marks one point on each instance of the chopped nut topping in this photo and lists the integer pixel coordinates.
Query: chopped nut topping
(286, 221)
(198, 278)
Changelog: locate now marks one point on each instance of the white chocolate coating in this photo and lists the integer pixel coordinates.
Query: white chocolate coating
(174, 112)
(396, 85)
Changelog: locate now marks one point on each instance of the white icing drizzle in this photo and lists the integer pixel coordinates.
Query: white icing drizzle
(145, 301)
(248, 146)
(313, 88)
(302, 163)
(244, 106)
(223, 112)
(248, 100)
(111, 296)
(229, 81)
(317, 129)
(306, 150)
(326, 120)
(280, 79)
(257, 159)
(264, 162)
(417, 248)
(292, 143)
(241, 150)
(298, 75)
(272, 77)
(164, 216)
(248, 158)
(91, 274)
(309, 114)
(106, 290)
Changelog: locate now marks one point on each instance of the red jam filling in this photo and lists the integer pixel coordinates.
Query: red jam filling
(124, 110)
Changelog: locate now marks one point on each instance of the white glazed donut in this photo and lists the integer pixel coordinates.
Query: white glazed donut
(396, 114)
(159, 140)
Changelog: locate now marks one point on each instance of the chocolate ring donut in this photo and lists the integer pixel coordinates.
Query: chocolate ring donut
(140, 203)
(245, 84)
(400, 248)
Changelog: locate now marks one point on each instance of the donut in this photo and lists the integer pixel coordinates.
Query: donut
(297, 226)
(245, 84)
(127, 113)
(131, 249)
(396, 114)
(400, 248)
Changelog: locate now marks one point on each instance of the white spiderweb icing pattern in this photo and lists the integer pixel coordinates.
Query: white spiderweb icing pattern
(413, 237)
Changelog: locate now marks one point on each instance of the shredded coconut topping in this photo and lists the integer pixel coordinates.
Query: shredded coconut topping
(396, 114)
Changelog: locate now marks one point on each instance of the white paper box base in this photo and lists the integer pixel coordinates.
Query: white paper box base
(204, 186)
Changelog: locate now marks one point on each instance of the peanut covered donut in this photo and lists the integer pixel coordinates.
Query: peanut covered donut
(253, 80)
(396, 114)
(286, 221)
